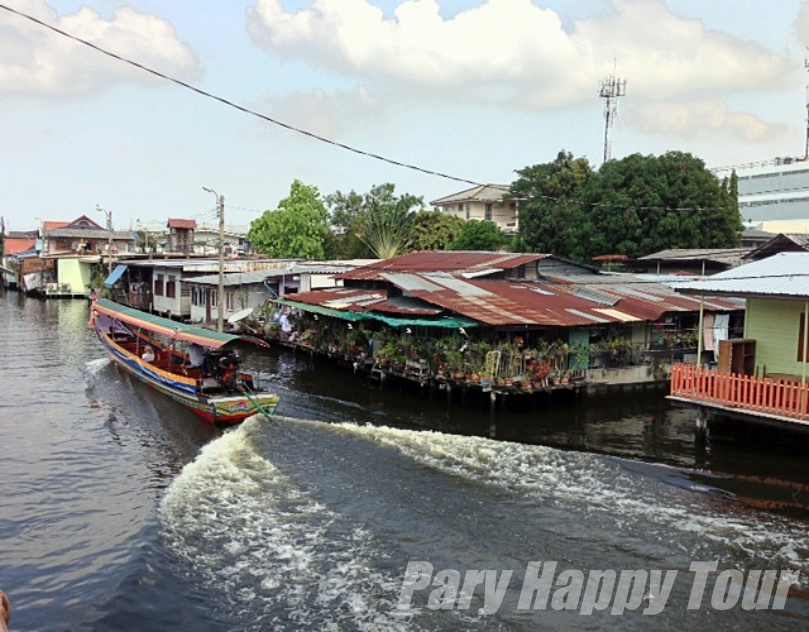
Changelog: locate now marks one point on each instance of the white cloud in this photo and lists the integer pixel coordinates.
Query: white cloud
(514, 52)
(35, 61)
(325, 113)
(697, 118)
(802, 23)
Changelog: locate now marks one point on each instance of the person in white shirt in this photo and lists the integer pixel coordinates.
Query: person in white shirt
(148, 355)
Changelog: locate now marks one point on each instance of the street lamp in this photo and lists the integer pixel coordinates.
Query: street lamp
(220, 302)
(109, 234)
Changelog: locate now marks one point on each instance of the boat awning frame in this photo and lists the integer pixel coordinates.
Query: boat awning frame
(115, 275)
(164, 326)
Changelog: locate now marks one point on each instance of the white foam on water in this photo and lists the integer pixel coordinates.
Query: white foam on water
(276, 556)
(594, 483)
(94, 367)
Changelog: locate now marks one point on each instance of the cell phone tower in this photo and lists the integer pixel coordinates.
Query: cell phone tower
(612, 89)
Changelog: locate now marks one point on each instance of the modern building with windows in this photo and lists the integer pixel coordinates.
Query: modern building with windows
(778, 190)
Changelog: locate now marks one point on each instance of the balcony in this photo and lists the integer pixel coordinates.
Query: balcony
(759, 397)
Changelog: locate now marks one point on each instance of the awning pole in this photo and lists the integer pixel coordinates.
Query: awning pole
(699, 330)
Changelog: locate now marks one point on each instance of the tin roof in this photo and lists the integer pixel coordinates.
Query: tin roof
(50, 225)
(91, 233)
(785, 275)
(187, 224)
(507, 303)
(728, 256)
(498, 302)
(459, 261)
(339, 298)
(480, 193)
(14, 246)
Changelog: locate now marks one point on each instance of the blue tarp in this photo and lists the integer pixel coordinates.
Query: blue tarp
(115, 275)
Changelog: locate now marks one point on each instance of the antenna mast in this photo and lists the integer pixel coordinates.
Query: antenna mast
(612, 88)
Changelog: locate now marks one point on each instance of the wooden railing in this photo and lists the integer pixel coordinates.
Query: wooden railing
(781, 397)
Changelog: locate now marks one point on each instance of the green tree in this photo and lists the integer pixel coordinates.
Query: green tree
(634, 206)
(297, 229)
(551, 206)
(346, 214)
(433, 230)
(479, 235)
(378, 222)
(642, 204)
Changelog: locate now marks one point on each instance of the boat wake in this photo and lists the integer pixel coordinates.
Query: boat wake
(642, 507)
(279, 558)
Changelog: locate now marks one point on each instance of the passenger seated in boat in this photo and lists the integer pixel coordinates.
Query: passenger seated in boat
(148, 355)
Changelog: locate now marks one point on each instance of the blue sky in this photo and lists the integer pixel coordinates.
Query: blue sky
(720, 79)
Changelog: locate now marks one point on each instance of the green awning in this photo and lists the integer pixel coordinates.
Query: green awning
(444, 323)
(323, 311)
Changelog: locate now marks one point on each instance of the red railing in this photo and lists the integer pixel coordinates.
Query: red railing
(780, 397)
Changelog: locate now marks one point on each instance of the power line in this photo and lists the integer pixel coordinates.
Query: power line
(210, 95)
(307, 133)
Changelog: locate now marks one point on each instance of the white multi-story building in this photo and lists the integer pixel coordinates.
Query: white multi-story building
(774, 191)
(486, 201)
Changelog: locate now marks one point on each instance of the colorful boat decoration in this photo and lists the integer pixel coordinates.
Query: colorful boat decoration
(195, 367)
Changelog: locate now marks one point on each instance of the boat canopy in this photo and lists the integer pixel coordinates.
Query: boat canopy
(163, 326)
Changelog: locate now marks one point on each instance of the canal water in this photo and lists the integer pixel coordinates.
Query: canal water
(120, 511)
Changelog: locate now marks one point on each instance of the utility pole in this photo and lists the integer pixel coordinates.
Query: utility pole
(220, 300)
(109, 235)
(806, 148)
(612, 88)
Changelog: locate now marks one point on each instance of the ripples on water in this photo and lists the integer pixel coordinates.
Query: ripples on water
(122, 512)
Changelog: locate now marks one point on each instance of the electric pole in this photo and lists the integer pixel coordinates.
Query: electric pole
(806, 148)
(612, 88)
(220, 300)
(109, 235)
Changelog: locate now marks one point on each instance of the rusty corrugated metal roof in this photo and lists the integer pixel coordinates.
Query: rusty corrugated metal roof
(443, 261)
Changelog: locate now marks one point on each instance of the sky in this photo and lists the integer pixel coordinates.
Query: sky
(474, 88)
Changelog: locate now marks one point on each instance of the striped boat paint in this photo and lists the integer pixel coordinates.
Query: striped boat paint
(222, 410)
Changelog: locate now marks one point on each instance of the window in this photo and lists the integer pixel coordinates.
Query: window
(229, 301)
(158, 285)
(171, 287)
(488, 214)
(801, 328)
(460, 208)
(212, 294)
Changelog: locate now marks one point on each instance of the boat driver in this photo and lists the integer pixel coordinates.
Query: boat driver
(148, 354)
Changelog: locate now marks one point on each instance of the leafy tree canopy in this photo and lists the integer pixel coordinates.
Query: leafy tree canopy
(479, 235)
(433, 230)
(377, 223)
(634, 206)
(298, 228)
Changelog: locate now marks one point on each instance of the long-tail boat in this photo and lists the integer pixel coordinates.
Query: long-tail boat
(195, 367)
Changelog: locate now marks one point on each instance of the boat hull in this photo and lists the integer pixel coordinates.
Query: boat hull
(221, 410)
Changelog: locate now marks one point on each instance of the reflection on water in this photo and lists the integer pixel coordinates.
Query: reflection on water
(121, 511)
